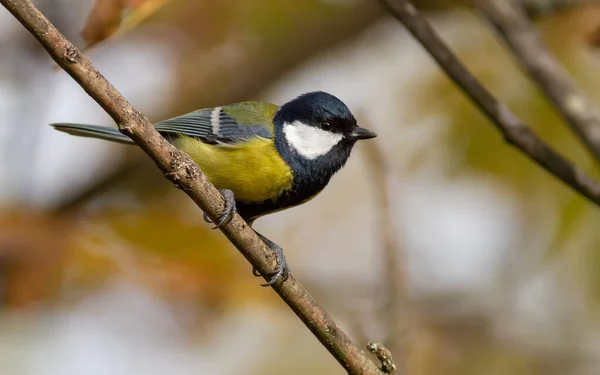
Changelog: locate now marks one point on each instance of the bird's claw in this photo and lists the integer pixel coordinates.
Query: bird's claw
(282, 271)
(228, 212)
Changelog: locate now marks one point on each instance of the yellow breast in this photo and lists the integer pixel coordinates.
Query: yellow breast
(253, 170)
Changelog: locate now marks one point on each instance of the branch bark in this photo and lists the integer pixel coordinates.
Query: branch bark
(179, 169)
(510, 20)
(512, 128)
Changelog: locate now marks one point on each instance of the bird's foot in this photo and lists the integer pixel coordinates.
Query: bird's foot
(282, 271)
(228, 211)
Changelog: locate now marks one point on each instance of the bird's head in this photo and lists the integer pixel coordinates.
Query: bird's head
(318, 125)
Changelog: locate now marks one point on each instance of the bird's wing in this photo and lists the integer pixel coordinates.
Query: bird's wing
(224, 125)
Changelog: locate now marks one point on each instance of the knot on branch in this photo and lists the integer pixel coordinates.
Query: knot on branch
(384, 355)
(180, 163)
(72, 55)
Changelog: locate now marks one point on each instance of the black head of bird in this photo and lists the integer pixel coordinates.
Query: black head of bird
(315, 134)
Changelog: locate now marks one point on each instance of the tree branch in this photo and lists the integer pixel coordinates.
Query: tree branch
(512, 128)
(186, 175)
(511, 22)
(395, 309)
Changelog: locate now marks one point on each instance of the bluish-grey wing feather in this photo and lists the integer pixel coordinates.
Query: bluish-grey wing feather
(212, 126)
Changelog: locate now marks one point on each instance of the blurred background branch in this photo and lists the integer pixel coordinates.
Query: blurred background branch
(395, 313)
(511, 22)
(514, 131)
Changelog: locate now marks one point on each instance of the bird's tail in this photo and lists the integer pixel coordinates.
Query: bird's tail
(94, 131)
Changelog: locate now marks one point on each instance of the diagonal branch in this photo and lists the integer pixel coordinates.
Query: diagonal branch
(180, 170)
(512, 128)
(511, 22)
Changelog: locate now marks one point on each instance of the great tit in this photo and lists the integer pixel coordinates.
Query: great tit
(262, 157)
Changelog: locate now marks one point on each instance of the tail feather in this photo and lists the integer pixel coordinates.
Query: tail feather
(94, 131)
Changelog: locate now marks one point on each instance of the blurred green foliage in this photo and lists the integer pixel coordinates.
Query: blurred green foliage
(483, 149)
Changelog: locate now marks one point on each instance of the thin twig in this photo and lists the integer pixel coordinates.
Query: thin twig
(394, 309)
(513, 25)
(512, 128)
(186, 175)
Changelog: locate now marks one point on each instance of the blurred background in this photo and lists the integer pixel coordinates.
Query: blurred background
(438, 239)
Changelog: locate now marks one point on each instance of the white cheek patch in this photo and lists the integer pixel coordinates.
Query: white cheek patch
(309, 141)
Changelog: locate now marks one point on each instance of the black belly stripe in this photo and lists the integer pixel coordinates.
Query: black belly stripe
(291, 198)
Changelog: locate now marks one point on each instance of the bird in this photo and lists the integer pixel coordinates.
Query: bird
(262, 157)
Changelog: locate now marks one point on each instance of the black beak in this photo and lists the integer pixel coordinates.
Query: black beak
(362, 133)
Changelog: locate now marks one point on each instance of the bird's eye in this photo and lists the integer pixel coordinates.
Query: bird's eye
(326, 125)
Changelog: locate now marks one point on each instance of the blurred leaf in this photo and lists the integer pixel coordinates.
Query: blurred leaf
(106, 18)
(141, 11)
(32, 254)
(103, 21)
(579, 25)
(594, 37)
(163, 244)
